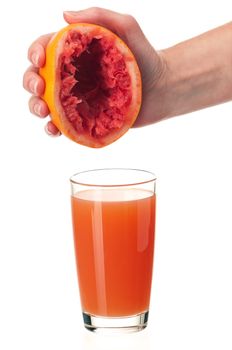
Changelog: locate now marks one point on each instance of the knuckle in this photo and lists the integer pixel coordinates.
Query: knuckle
(35, 45)
(29, 52)
(31, 103)
(25, 80)
(40, 38)
(129, 20)
(95, 11)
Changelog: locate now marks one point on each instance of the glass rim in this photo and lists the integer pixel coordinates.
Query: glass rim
(132, 183)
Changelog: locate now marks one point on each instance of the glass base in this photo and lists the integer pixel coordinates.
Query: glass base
(125, 324)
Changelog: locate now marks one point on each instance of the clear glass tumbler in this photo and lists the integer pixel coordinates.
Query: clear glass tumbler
(113, 213)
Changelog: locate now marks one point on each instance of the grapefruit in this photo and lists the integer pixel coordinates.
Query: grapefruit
(92, 84)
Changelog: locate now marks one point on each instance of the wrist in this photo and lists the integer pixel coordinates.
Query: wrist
(160, 88)
(153, 108)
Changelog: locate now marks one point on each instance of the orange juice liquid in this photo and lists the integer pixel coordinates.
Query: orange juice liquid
(114, 244)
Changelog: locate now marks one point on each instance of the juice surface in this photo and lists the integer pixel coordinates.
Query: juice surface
(114, 244)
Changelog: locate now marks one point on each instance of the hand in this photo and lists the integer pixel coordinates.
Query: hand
(33, 83)
(125, 26)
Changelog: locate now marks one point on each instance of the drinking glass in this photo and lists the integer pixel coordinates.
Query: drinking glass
(113, 212)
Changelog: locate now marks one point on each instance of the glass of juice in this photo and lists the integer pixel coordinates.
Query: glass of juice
(113, 212)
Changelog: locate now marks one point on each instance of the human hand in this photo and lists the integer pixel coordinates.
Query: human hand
(126, 27)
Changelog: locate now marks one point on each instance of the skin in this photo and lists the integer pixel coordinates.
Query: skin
(189, 76)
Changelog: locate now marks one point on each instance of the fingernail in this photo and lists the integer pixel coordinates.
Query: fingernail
(33, 83)
(47, 130)
(37, 109)
(50, 133)
(35, 58)
(70, 13)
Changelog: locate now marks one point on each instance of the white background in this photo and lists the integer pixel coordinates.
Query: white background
(191, 304)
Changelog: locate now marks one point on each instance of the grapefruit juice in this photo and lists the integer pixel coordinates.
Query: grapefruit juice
(114, 244)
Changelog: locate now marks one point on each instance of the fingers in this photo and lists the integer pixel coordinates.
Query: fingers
(51, 129)
(38, 107)
(37, 50)
(32, 82)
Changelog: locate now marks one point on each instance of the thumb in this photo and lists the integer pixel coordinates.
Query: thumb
(110, 19)
(71, 16)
